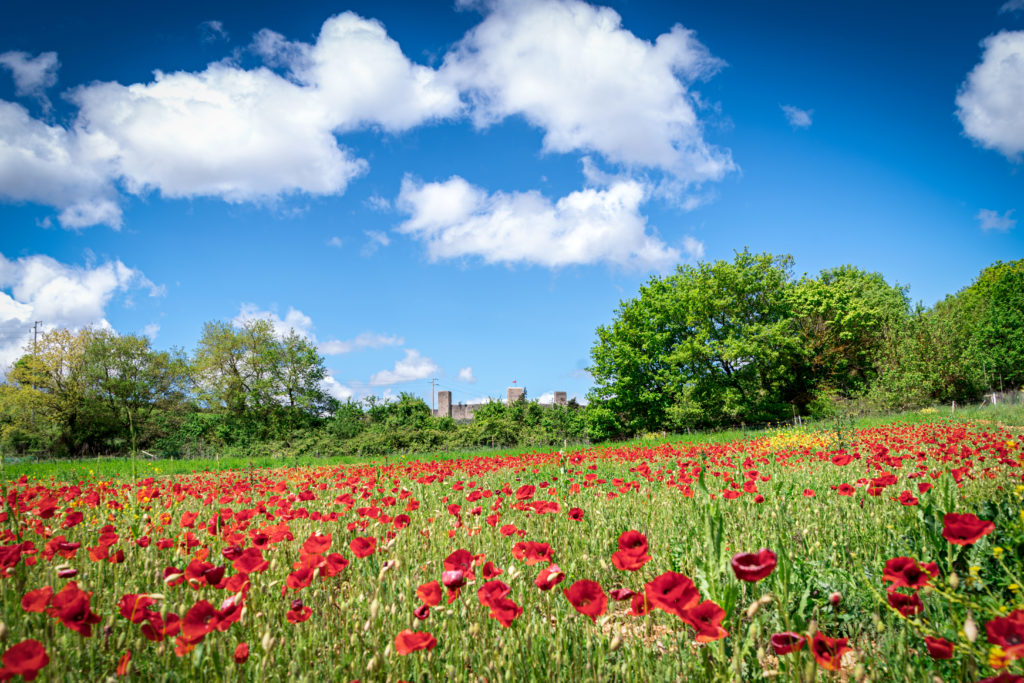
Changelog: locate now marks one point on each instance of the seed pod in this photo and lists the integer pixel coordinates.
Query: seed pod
(374, 609)
(3, 631)
(812, 628)
(971, 628)
(616, 642)
(859, 673)
(753, 608)
(373, 664)
(953, 580)
(267, 642)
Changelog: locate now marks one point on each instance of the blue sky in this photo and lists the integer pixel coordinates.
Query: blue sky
(466, 192)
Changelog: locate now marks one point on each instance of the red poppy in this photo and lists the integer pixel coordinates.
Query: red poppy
(430, 593)
(241, 653)
(298, 612)
(846, 490)
(706, 618)
(490, 571)
(71, 606)
(638, 606)
(249, 561)
(619, 594)
(587, 598)
(906, 572)
(461, 560)
(363, 546)
(200, 619)
(672, 592)
(492, 591)
(965, 529)
(828, 652)
(754, 566)
(24, 659)
(123, 663)
(157, 629)
(453, 579)
(576, 514)
(1008, 633)
(421, 612)
(504, 611)
(37, 600)
(786, 642)
(632, 552)
(136, 608)
(1002, 678)
(409, 641)
(549, 577)
(938, 648)
(532, 552)
(907, 605)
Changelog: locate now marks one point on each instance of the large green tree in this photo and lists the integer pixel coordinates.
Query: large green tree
(710, 344)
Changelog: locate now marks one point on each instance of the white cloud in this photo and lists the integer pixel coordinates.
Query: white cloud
(50, 165)
(466, 375)
(378, 203)
(375, 240)
(457, 219)
(1012, 6)
(694, 248)
(151, 330)
(335, 242)
(546, 398)
(412, 367)
(336, 389)
(32, 75)
(993, 220)
(366, 340)
(212, 31)
(60, 295)
(238, 134)
(571, 69)
(990, 103)
(798, 118)
(295, 320)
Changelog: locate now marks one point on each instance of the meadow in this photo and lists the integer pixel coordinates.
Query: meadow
(887, 552)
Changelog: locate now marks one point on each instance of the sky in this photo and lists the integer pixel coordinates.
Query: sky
(466, 191)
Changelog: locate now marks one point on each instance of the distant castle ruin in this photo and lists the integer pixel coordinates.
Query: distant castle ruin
(465, 411)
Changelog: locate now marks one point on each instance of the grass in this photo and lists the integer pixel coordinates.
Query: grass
(670, 489)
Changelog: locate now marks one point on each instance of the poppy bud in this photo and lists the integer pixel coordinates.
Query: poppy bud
(859, 673)
(812, 627)
(752, 609)
(473, 630)
(374, 609)
(421, 612)
(267, 642)
(296, 604)
(373, 664)
(835, 598)
(453, 578)
(3, 631)
(970, 628)
(953, 580)
(353, 640)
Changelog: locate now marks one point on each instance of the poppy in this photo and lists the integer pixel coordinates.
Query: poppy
(706, 619)
(409, 641)
(200, 619)
(492, 591)
(754, 566)
(532, 552)
(430, 593)
(907, 605)
(638, 605)
(576, 514)
(786, 642)
(672, 592)
(135, 608)
(24, 659)
(241, 653)
(461, 560)
(298, 612)
(632, 552)
(939, 648)
(1008, 633)
(453, 579)
(490, 571)
(619, 594)
(587, 598)
(828, 652)
(906, 572)
(123, 663)
(549, 577)
(421, 612)
(363, 546)
(71, 606)
(249, 561)
(965, 529)
(37, 600)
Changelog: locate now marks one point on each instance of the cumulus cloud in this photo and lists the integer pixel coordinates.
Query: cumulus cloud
(466, 375)
(798, 118)
(412, 367)
(990, 103)
(336, 389)
(238, 134)
(693, 248)
(60, 295)
(456, 219)
(993, 220)
(1012, 6)
(151, 330)
(295, 320)
(375, 239)
(366, 340)
(572, 70)
(32, 75)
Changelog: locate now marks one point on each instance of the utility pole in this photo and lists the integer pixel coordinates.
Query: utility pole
(35, 340)
(432, 407)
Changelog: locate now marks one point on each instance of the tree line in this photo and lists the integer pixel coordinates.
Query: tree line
(743, 341)
(712, 345)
